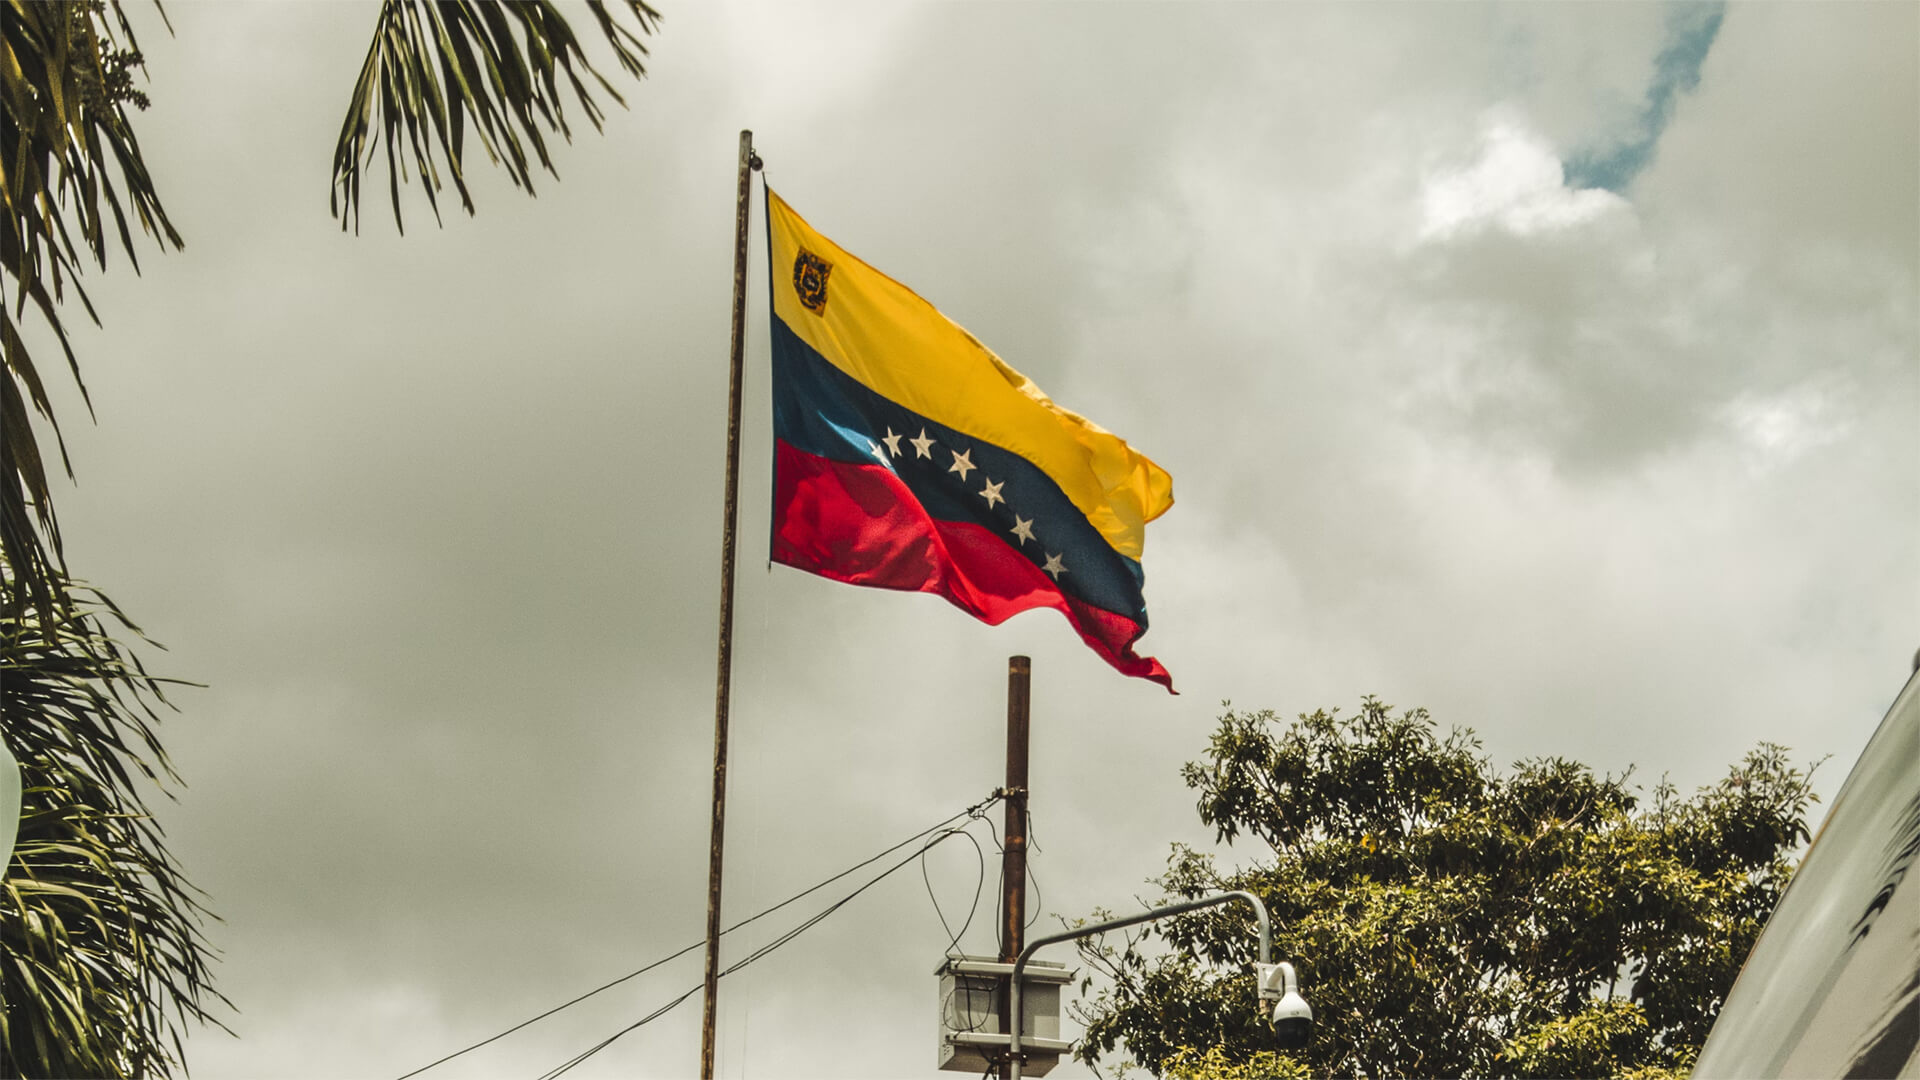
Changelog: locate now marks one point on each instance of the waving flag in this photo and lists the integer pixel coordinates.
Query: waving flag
(908, 456)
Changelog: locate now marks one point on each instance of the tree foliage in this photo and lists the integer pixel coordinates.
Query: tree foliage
(1448, 919)
(435, 63)
(73, 176)
(99, 933)
(102, 958)
(66, 81)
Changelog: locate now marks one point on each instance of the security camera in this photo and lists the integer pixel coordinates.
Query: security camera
(1292, 1016)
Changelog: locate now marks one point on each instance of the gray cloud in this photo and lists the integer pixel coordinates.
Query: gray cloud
(435, 517)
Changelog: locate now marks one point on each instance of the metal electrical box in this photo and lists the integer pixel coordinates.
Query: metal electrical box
(973, 1009)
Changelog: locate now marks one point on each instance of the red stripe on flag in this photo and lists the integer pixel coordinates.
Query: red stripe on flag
(859, 524)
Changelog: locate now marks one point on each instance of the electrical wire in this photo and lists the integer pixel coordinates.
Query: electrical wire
(974, 811)
(555, 1009)
(555, 1072)
(979, 886)
(757, 954)
(1033, 879)
(964, 986)
(943, 836)
(966, 989)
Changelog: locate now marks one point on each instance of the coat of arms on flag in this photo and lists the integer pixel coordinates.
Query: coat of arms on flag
(810, 280)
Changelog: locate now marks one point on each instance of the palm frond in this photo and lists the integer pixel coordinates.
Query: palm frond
(102, 956)
(435, 67)
(66, 80)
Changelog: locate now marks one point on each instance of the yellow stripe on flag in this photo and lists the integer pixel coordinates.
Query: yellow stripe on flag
(881, 333)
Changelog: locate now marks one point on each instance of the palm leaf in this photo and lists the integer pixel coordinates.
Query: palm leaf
(66, 79)
(102, 957)
(435, 67)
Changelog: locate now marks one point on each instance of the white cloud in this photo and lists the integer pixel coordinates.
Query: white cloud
(1779, 428)
(1516, 184)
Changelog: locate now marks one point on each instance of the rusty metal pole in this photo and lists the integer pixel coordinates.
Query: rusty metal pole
(1013, 858)
(724, 680)
(1013, 848)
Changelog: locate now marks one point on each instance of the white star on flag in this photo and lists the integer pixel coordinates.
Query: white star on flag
(1054, 566)
(992, 493)
(962, 463)
(922, 446)
(874, 449)
(1023, 528)
(892, 441)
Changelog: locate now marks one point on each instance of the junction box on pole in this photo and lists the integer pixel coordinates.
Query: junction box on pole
(974, 1035)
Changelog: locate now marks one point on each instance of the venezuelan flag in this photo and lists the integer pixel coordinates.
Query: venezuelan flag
(908, 456)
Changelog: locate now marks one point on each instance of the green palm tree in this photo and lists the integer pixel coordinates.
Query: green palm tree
(66, 80)
(101, 948)
(103, 960)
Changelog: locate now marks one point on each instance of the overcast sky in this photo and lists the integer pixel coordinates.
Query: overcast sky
(1555, 368)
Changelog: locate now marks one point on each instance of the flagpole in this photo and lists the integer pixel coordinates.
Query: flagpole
(723, 682)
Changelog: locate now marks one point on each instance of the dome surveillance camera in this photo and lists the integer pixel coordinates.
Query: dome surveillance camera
(1292, 1022)
(1292, 1016)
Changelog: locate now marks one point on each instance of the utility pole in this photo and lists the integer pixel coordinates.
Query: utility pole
(1013, 848)
(1013, 858)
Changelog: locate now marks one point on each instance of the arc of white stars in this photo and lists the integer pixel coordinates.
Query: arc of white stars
(962, 463)
(992, 492)
(892, 441)
(922, 446)
(1054, 566)
(1023, 528)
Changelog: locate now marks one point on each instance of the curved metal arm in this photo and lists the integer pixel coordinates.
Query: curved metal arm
(1020, 963)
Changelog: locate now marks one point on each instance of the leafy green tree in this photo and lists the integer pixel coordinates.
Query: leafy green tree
(102, 957)
(1448, 919)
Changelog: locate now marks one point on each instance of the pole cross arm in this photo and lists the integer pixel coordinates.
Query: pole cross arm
(1266, 968)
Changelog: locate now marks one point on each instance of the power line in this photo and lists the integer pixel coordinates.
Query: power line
(788, 936)
(972, 811)
(979, 886)
(962, 987)
(555, 1072)
(555, 1009)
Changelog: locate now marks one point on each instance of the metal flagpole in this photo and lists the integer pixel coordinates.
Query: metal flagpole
(724, 680)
